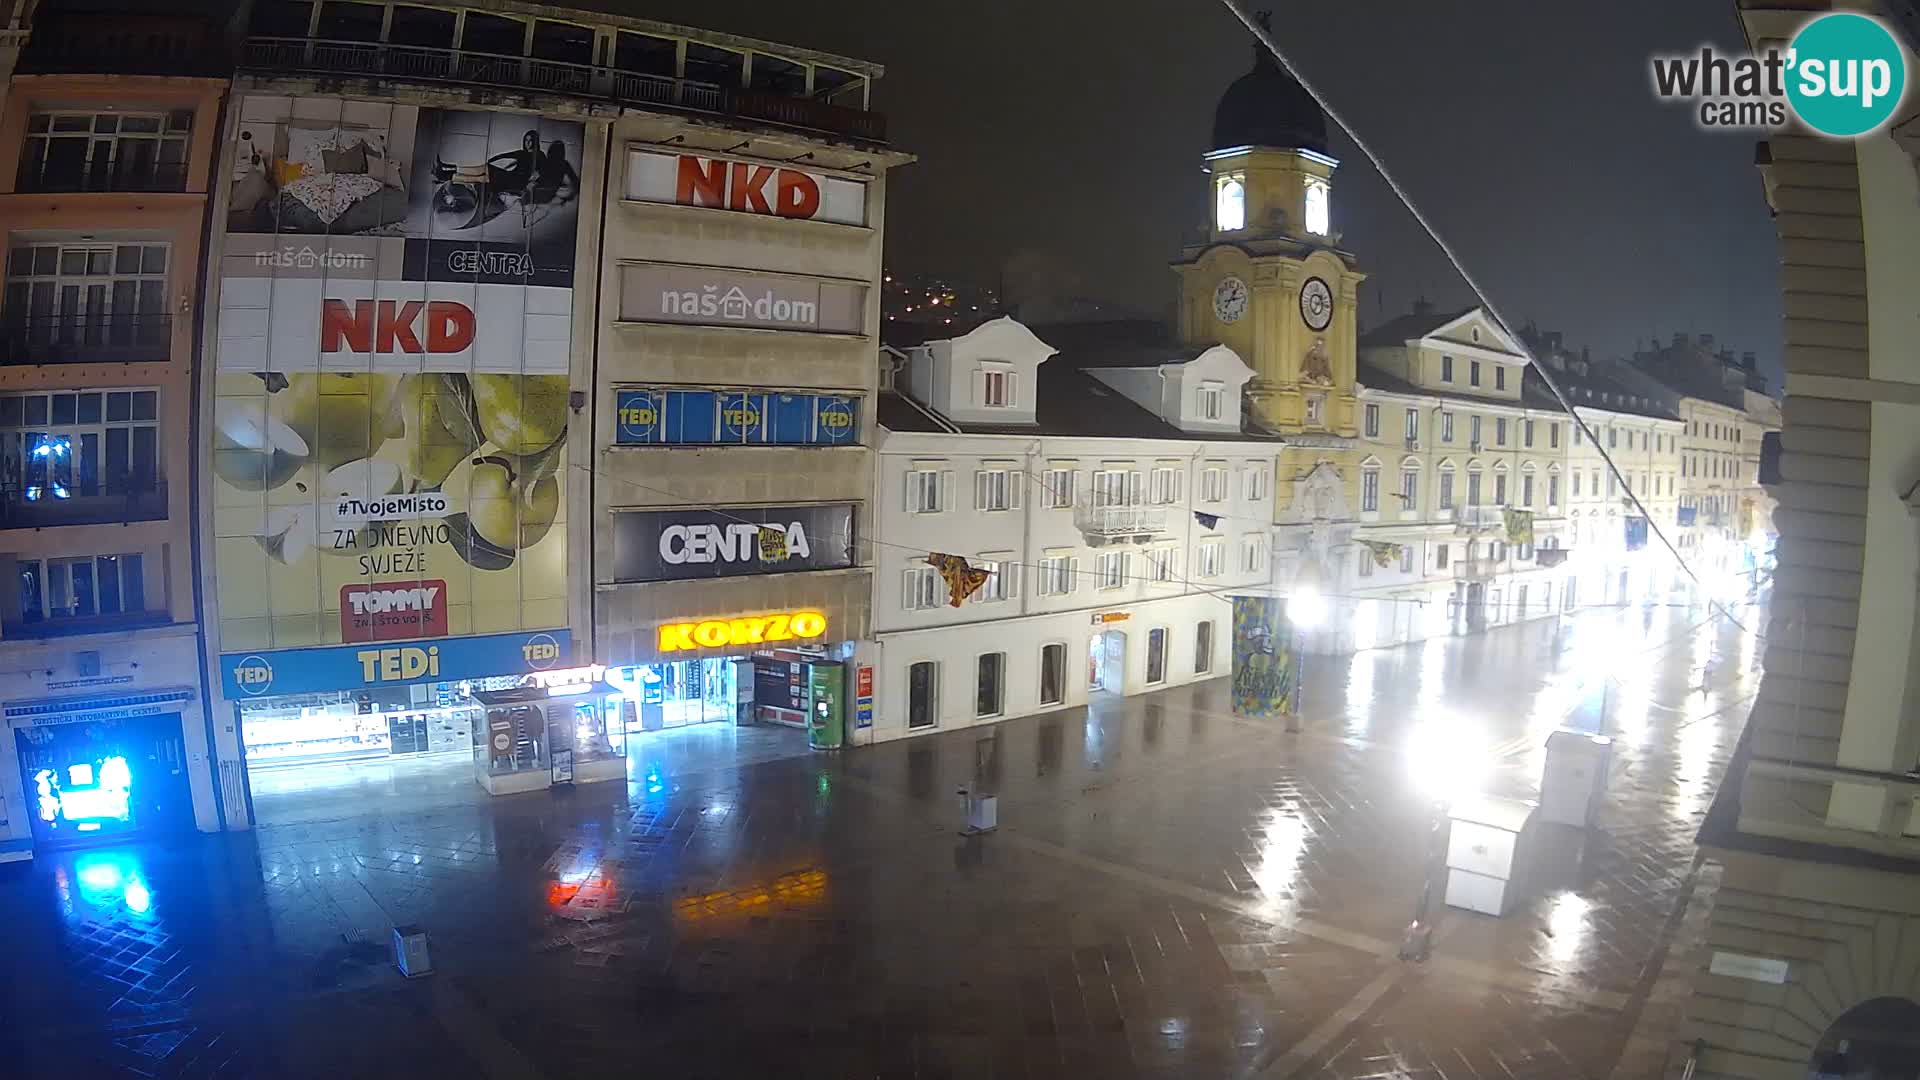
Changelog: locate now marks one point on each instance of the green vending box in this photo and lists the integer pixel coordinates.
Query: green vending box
(826, 705)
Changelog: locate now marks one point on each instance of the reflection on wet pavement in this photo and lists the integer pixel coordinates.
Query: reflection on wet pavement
(1173, 891)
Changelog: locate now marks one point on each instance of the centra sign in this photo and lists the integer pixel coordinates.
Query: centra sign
(752, 630)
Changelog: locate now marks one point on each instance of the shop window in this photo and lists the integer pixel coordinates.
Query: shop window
(991, 689)
(111, 151)
(1203, 647)
(922, 687)
(565, 43)
(645, 54)
(1156, 655)
(422, 27)
(291, 19)
(718, 67)
(1053, 674)
(345, 21)
(64, 445)
(494, 34)
(776, 76)
(81, 588)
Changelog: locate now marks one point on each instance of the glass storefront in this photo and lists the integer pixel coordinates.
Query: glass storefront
(530, 737)
(679, 693)
(345, 726)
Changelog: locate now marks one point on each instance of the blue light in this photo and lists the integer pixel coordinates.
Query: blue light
(94, 792)
(100, 875)
(138, 898)
(111, 879)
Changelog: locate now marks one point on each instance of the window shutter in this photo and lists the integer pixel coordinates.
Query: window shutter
(979, 489)
(1136, 485)
(1013, 389)
(1073, 573)
(913, 492)
(945, 496)
(1179, 481)
(1010, 573)
(910, 591)
(1016, 487)
(979, 387)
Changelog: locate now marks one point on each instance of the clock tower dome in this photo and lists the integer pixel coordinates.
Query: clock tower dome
(1269, 280)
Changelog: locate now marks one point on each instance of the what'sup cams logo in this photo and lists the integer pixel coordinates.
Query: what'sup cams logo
(1843, 75)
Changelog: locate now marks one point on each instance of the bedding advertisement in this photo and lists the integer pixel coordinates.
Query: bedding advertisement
(391, 388)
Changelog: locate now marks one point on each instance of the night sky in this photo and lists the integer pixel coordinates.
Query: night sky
(1069, 133)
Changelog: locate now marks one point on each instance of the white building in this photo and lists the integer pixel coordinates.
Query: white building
(1113, 496)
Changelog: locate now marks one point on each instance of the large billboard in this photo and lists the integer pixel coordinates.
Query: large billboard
(391, 378)
(677, 545)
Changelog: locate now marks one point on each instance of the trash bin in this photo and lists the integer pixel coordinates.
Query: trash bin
(1575, 779)
(1480, 851)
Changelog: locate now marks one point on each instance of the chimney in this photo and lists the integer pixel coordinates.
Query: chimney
(1747, 360)
(1706, 342)
(1679, 340)
(1423, 306)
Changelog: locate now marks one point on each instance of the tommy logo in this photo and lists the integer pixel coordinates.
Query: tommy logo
(393, 611)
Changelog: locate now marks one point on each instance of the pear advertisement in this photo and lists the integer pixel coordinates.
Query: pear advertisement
(391, 393)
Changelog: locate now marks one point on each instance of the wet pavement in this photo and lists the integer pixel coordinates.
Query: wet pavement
(1173, 891)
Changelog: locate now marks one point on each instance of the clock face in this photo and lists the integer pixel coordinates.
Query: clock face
(1230, 299)
(1316, 304)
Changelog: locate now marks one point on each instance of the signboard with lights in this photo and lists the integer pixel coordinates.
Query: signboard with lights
(701, 417)
(750, 631)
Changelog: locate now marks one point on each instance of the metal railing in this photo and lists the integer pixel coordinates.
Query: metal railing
(86, 339)
(51, 503)
(149, 176)
(373, 58)
(1478, 517)
(1795, 801)
(1475, 569)
(1113, 522)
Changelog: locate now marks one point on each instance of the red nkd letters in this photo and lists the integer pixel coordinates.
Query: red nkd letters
(737, 185)
(390, 326)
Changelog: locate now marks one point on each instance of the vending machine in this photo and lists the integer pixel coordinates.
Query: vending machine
(826, 704)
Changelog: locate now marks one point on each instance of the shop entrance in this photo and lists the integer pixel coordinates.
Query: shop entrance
(683, 693)
(100, 779)
(1106, 662)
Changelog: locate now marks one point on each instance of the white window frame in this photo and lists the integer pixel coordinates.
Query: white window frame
(1061, 482)
(1163, 485)
(1370, 415)
(999, 387)
(1230, 203)
(1163, 564)
(1213, 484)
(1317, 206)
(1210, 557)
(1254, 553)
(1370, 489)
(927, 488)
(1412, 427)
(1409, 489)
(997, 487)
(1110, 570)
(922, 589)
(1058, 570)
(1210, 401)
(1256, 483)
(1445, 489)
(1446, 427)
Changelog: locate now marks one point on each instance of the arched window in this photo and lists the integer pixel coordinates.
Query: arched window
(1319, 213)
(1230, 205)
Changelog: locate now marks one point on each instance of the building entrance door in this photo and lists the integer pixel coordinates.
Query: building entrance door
(1106, 662)
(101, 779)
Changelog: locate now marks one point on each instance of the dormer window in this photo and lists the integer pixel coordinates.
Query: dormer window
(1211, 401)
(1318, 208)
(997, 387)
(1230, 204)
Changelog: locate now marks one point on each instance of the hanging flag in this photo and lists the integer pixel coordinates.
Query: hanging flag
(1551, 557)
(1519, 526)
(1207, 521)
(773, 543)
(1384, 554)
(962, 580)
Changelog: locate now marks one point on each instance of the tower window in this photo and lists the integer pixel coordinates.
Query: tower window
(1230, 205)
(1318, 211)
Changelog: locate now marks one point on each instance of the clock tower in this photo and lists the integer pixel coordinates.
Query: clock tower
(1270, 281)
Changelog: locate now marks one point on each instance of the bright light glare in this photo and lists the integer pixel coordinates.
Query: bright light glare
(1447, 758)
(1567, 921)
(1306, 608)
(138, 898)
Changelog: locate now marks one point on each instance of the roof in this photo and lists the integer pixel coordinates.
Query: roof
(1598, 388)
(1266, 107)
(1069, 402)
(896, 413)
(1374, 378)
(1406, 328)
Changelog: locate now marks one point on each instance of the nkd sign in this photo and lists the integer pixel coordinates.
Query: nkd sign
(675, 545)
(745, 187)
(714, 296)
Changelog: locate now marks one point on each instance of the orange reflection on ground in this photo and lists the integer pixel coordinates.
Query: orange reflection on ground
(800, 887)
(581, 892)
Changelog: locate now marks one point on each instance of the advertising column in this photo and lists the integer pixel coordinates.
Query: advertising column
(391, 409)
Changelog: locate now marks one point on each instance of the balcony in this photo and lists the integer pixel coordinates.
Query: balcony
(73, 626)
(141, 178)
(282, 55)
(84, 43)
(52, 505)
(104, 339)
(1475, 569)
(1120, 524)
(1468, 519)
